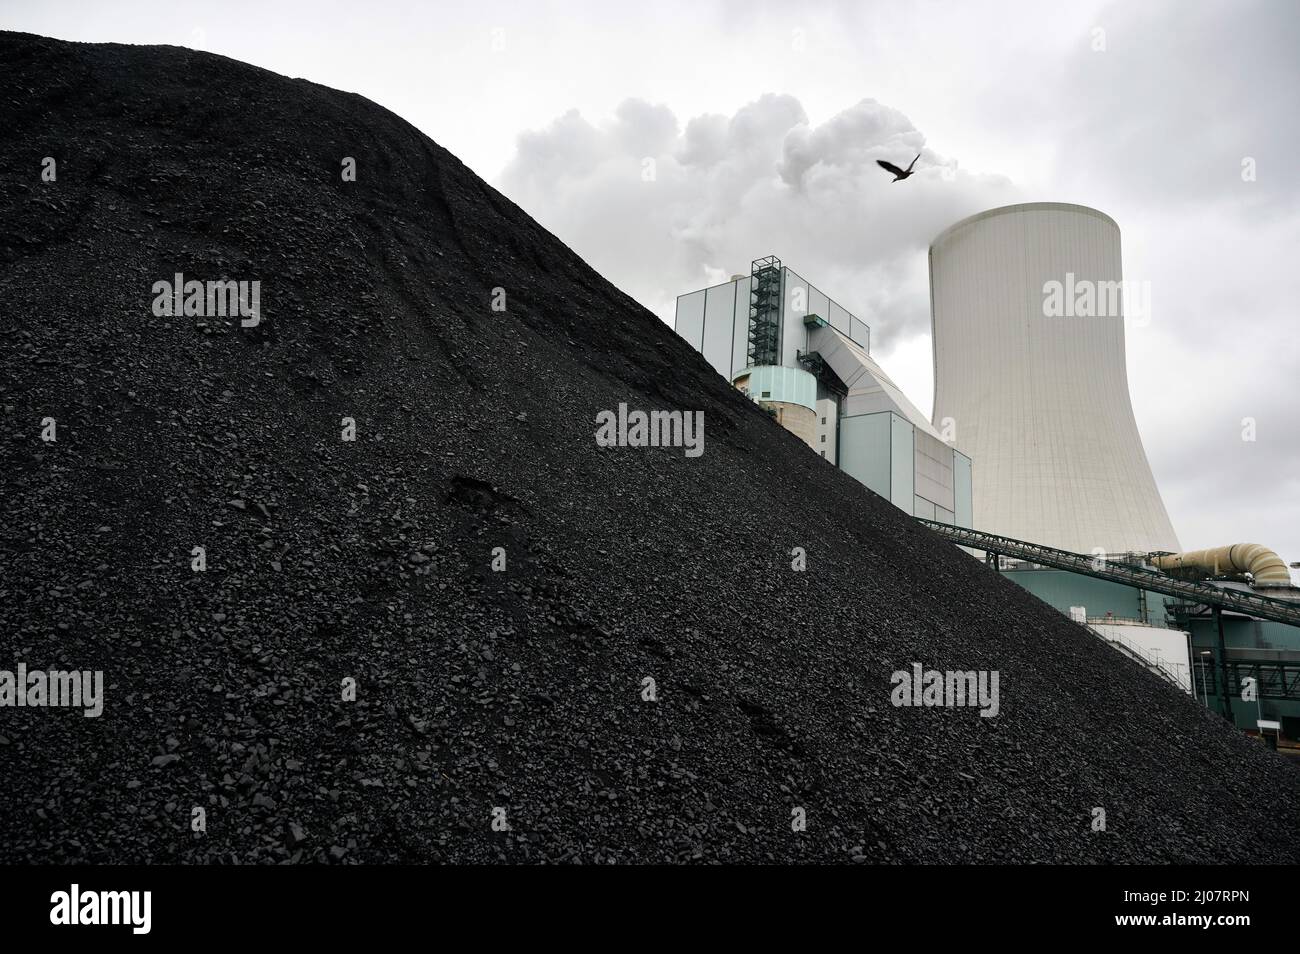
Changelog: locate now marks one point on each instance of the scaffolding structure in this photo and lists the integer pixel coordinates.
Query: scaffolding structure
(765, 312)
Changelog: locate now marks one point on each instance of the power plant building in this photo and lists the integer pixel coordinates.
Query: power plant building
(806, 359)
(1028, 311)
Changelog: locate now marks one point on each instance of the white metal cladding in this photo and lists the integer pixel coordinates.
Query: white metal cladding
(1041, 403)
(902, 463)
(865, 451)
(870, 389)
(828, 422)
(794, 305)
(689, 321)
(715, 321)
(818, 303)
(934, 471)
(719, 326)
(803, 298)
(839, 318)
(860, 333)
(963, 514)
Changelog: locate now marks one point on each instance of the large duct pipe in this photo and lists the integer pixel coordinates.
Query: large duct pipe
(1264, 566)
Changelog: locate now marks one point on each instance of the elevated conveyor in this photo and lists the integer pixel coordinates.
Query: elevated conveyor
(1261, 607)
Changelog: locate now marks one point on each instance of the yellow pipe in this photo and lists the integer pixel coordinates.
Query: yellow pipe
(1265, 567)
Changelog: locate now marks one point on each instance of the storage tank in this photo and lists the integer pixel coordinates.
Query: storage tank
(1027, 309)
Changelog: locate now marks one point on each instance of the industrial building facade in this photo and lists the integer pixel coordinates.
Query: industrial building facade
(806, 358)
(1038, 396)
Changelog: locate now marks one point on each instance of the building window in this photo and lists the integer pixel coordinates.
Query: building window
(823, 420)
(823, 453)
(823, 438)
(767, 394)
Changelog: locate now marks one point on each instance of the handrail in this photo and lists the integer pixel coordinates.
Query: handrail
(1138, 653)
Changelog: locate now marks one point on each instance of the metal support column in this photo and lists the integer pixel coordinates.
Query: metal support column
(1223, 666)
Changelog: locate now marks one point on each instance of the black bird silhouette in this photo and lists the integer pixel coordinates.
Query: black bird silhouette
(899, 174)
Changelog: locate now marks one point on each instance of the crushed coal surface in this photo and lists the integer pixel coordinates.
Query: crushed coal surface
(501, 709)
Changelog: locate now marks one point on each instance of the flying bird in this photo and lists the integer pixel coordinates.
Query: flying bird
(899, 174)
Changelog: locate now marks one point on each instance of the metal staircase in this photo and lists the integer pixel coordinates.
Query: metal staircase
(1137, 654)
(765, 312)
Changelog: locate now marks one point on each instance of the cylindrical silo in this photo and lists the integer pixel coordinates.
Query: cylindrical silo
(1029, 374)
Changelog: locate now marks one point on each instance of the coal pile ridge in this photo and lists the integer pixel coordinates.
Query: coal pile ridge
(372, 559)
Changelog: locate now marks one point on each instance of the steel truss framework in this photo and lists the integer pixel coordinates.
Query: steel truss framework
(1261, 607)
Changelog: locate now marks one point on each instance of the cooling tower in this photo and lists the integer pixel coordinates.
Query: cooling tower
(1029, 366)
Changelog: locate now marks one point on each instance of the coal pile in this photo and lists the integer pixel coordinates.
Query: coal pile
(499, 714)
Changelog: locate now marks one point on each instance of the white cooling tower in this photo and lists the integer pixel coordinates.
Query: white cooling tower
(1029, 366)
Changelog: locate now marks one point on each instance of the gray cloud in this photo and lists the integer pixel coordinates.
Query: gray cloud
(727, 189)
(849, 143)
(1156, 132)
(1181, 94)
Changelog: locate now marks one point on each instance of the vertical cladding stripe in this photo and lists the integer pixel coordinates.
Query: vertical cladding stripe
(780, 317)
(688, 333)
(704, 317)
(704, 331)
(719, 308)
(731, 351)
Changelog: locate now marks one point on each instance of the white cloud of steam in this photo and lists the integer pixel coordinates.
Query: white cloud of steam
(724, 190)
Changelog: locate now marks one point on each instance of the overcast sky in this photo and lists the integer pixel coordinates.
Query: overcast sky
(764, 121)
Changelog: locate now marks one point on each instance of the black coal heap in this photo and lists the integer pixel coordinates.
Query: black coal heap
(371, 560)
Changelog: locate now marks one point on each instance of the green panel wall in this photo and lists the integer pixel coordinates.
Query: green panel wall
(791, 385)
(1063, 589)
(1246, 634)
